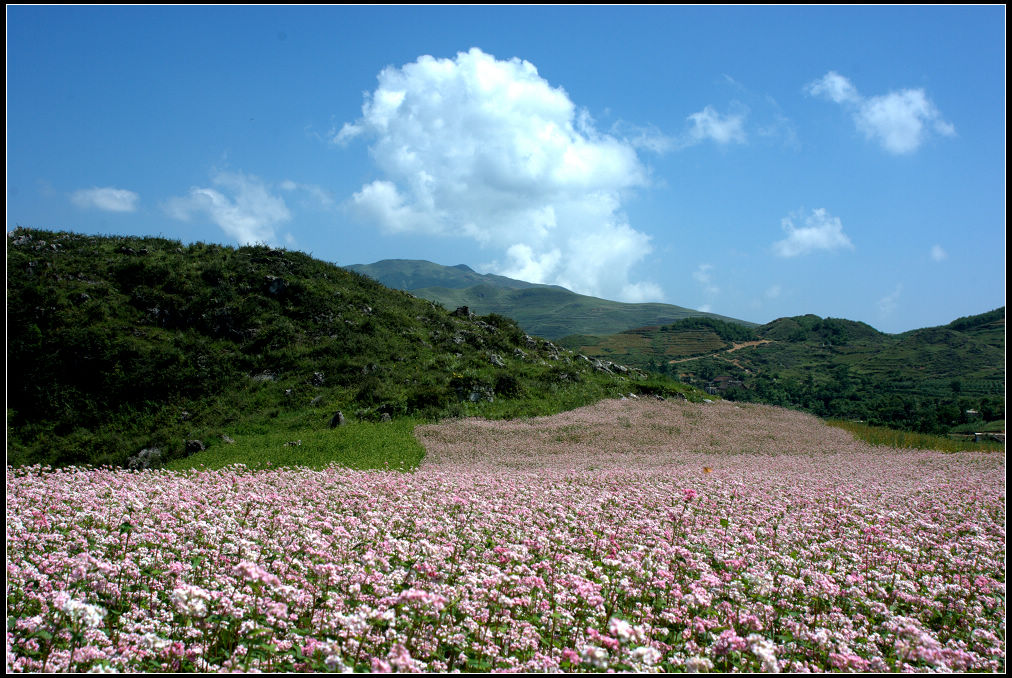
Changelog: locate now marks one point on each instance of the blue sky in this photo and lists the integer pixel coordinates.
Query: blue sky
(753, 162)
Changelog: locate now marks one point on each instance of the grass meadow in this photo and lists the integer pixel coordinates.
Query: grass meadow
(356, 445)
(887, 437)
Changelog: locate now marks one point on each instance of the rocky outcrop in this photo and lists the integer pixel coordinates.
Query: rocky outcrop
(150, 457)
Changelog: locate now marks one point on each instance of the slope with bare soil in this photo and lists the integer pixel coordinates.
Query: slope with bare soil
(719, 354)
(639, 433)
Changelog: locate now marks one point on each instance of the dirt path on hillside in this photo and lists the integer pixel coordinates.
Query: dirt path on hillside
(746, 344)
(735, 347)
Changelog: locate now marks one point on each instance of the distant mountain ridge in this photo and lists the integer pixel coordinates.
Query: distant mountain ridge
(414, 274)
(930, 379)
(549, 311)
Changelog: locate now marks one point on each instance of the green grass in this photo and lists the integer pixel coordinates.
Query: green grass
(879, 435)
(980, 427)
(358, 445)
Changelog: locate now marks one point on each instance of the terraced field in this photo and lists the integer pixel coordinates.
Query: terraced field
(648, 343)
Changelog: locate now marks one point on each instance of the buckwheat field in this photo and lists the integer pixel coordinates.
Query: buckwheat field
(630, 536)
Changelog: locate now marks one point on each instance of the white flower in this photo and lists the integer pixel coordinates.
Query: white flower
(154, 642)
(698, 665)
(765, 651)
(646, 655)
(620, 628)
(191, 600)
(821, 638)
(334, 662)
(83, 613)
(597, 656)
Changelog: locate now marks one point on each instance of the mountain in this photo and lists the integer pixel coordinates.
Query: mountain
(118, 344)
(926, 379)
(544, 310)
(414, 274)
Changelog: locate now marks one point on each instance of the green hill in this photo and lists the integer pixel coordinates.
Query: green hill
(929, 380)
(118, 344)
(812, 328)
(543, 310)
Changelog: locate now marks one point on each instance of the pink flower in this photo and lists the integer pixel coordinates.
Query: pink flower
(253, 572)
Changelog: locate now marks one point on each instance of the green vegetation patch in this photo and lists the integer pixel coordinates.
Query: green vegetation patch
(358, 445)
(887, 437)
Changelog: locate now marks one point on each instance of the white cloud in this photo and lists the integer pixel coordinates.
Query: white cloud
(320, 196)
(770, 294)
(706, 125)
(780, 127)
(938, 254)
(645, 137)
(723, 129)
(486, 149)
(109, 199)
(887, 304)
(525, 264)
(820, 231)
(899, 121)
(835, 87)
(704, 277)
(243, 207)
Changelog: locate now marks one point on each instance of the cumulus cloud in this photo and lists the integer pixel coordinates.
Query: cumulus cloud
(938, 254)
(109, 199)
(240, 204)
(899, 121)
(820, 231)
(487, 149)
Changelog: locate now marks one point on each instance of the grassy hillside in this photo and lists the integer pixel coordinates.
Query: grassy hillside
(543, 310)
(930, 380)
(652, 347)
(117, 344)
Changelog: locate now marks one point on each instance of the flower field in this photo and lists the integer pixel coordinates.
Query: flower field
(634, 536)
